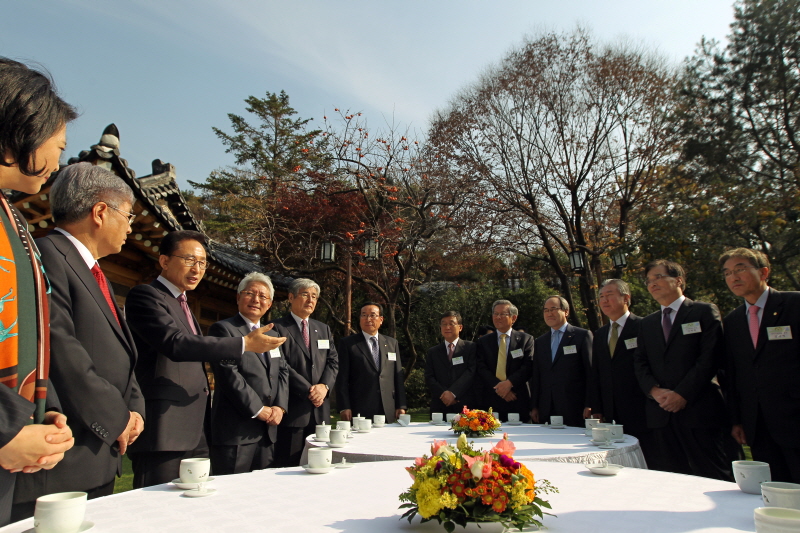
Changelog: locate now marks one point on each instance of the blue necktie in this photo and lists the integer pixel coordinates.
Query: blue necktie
(555, 340)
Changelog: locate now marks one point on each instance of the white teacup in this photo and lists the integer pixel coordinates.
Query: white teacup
(601, 434)
(404, 419)
(776, 520)
(195, 470)
(323, 432)
(556, 420)
(513, 417)
(450, 416)
(749, 475)
(379, 420)
(590, 423)
(616, 431)
(437, 417)
(343, 424)
(320, 457)
(365, 424)
(780, 494)
(338, 436)
(62, 512)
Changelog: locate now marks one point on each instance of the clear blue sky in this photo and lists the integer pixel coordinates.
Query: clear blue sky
(166, 71)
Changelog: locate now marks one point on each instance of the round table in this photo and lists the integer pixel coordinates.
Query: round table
(534, 443)
(364, 498)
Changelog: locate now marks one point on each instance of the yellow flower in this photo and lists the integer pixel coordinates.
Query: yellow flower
(429, 499)
(449, 500)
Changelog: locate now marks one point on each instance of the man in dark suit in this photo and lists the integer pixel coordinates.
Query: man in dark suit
(561, 369)
(250, 398)
(679, 351)
(313, 364)
(616, 396)
(171, 351)
(370, 380)
(450, 368)
(762, 348)
(505, 360)
(92, 353)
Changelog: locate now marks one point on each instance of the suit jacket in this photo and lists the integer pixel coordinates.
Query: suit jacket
(518, 371)
(170, 370)
(561, 386)
(307, 368)
(615, 390)
(441, 375)
(92, 367)
(242, 390)
(765, 380)
(362, 387)
(686, 363)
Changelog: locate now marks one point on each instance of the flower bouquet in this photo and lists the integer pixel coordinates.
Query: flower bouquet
(460, 485)
(475, 423)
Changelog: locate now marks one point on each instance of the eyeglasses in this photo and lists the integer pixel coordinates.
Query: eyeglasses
(656, 279)
(191, 261)
(130, 216)
(739, 270)
(308, 296)
(373, 316)
(254, 295)
(552, 309)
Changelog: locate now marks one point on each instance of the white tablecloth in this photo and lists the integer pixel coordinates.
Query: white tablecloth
(365, 499)
(534, 443)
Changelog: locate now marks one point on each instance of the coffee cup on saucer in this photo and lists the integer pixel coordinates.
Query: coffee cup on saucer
(449, 417)
(749, 475)
(616, 432)
(379, 420)
(780, 494)
(556, 421)
(513, 418)
(365, 425)
(343, 424)
(437, 418)
(320, 457)
(195, 470)
(600, 434)
(404, 419)
(62, 512)
(338, 436)
(322, 432)
(590, 423)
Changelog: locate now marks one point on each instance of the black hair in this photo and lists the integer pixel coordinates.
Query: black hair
(171, 241)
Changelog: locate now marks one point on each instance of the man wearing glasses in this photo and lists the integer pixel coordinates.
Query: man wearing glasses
(762, 346)
(561, 369)
(676, 361)
(92, 354)
(505, 360)
(170, 369)
(370, 380)
(313, 365)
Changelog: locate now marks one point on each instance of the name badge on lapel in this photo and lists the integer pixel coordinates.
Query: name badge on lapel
(391, 356)
(571, 349)
(458, 360)
(691, 328)
(631, 343)
(275, 352)
(516, 354)
(323, 344)
(779, 333)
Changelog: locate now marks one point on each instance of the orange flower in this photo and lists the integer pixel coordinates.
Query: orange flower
(504, 447)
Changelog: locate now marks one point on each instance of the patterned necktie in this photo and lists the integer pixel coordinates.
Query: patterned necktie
(450, 351)
(612, 342)
(304, 322)
(500, 372)
(376, 354)
(187, 312)
(261, 354)
(101, 281)
(555, 340)
(666, 323)
(753, 312)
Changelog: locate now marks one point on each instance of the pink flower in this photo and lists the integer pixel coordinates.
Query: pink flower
(436, 445)
(419, 461)
(487, 465)
(504, 447)
(410, 470)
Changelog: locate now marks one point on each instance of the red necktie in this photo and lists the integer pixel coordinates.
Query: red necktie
(305, 334)
(101, 281)
(753, 322)
(450, 351)
(187, 312)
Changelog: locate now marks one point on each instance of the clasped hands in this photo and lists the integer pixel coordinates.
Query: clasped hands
(668, 400)
(503, 389)
(270, 415)
(38, 446)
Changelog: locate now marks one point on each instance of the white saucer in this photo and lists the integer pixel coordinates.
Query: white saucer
(317, 470)
(434, 423)
(518, 423)
(562, 426)
(401, 424)
(332, 445)
(619, 440)
(344, 465)
(320, 440)
(194, 493)
(378, 425)
(189, 486)
(85, 526)
(606, 446)
(608, 470)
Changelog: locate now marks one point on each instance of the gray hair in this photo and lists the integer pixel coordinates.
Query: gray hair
(257, 277)
(301, 284)
(622, 286)
(79, 187)
(511, 307)
(561, 300)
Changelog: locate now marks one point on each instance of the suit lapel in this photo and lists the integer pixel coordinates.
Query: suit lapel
(566, 339)
(770, 316)
(366, 350)
(175, 307)
(294, 329)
